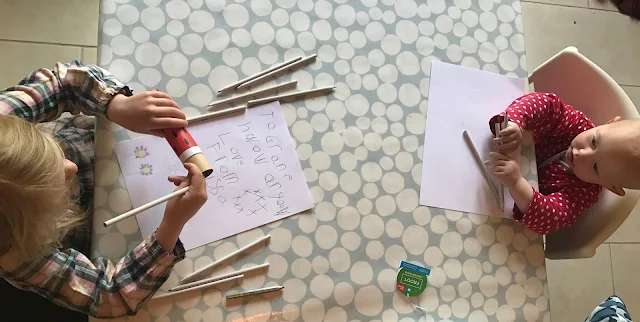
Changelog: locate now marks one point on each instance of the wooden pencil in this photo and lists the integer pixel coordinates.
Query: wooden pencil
(270, 99)
(261, 78)
(485, 172)
(207, 285)
(497, 128)
(191, 276)
(255, 94)
(218, 277)
(267, 71)
(146, 206)
(255, 292)
(204, 117)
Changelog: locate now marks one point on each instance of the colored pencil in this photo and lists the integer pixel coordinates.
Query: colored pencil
(255, 94)
(144, 207)
(204, 117)
(254, 292)
(485, 172)
(207, 285)
(270, 99)
(267, 71)
(191, 276)
(219, 277)
(261, 78)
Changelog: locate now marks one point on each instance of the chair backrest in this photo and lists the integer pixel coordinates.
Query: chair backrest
(582, 84)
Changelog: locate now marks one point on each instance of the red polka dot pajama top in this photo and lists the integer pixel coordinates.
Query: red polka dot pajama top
(562, 197)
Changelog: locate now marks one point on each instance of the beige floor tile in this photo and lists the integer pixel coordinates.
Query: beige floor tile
(571, 3)
(608, 38)
(90, 56)
(628, 232)
(634, 94)
(606, 5)
(576, 286)
(625, 261)
(73, 22)
(17, 60)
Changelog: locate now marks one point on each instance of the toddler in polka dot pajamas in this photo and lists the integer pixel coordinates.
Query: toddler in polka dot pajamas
(575, 160)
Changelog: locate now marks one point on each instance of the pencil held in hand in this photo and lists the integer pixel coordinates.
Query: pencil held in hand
(483, 169)
(508, 138)
(505, 169)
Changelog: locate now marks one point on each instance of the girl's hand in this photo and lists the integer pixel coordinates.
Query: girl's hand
(180, 209)
(508, 139)
(147, 112)
(505, 169)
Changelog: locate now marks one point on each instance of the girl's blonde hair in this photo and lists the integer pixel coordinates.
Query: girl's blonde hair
(36, 209)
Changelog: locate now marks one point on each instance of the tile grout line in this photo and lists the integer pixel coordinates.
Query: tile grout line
(621, 243)
(31, 42)
(613, 281)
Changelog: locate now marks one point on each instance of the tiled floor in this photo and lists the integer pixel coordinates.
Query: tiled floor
(38, 33)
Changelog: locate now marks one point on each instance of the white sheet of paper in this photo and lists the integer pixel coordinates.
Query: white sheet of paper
(463, 98)
(257, 176)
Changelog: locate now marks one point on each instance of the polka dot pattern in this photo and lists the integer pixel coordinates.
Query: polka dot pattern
(360, 149)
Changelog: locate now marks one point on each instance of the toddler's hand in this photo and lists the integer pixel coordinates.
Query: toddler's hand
(180, 209)
(505, 169)
(147, 112)
(508, 139)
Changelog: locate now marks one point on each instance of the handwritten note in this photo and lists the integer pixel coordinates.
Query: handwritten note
(257, 177)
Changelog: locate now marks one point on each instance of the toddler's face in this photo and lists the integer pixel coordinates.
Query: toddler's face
(602, 155)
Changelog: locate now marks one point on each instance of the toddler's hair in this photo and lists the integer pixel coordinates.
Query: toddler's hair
(36, 209)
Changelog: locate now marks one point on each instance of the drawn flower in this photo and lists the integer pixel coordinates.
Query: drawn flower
(140, 152)
(146, 169)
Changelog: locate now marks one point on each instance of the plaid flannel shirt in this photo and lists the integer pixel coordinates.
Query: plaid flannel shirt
(100, 288)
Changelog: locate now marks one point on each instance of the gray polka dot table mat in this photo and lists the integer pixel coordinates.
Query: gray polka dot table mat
(360, 149)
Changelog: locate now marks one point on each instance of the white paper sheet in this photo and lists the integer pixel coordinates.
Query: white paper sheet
(463, 98)
(257, 176)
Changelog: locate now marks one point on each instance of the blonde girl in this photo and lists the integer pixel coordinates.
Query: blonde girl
(46, 190)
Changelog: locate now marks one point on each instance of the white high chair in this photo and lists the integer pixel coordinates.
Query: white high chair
(582, 84)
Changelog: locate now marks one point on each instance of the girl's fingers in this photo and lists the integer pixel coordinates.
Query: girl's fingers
(498, 156)
(167, 122)
(506, 132)
(195, 176)
(501, 170)
(178, 179)
(502, 142)
(159, 94)
(167, 111)
(494, 156)
(509, 145)
(511, 137)
(165, 102)
(501, 164)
